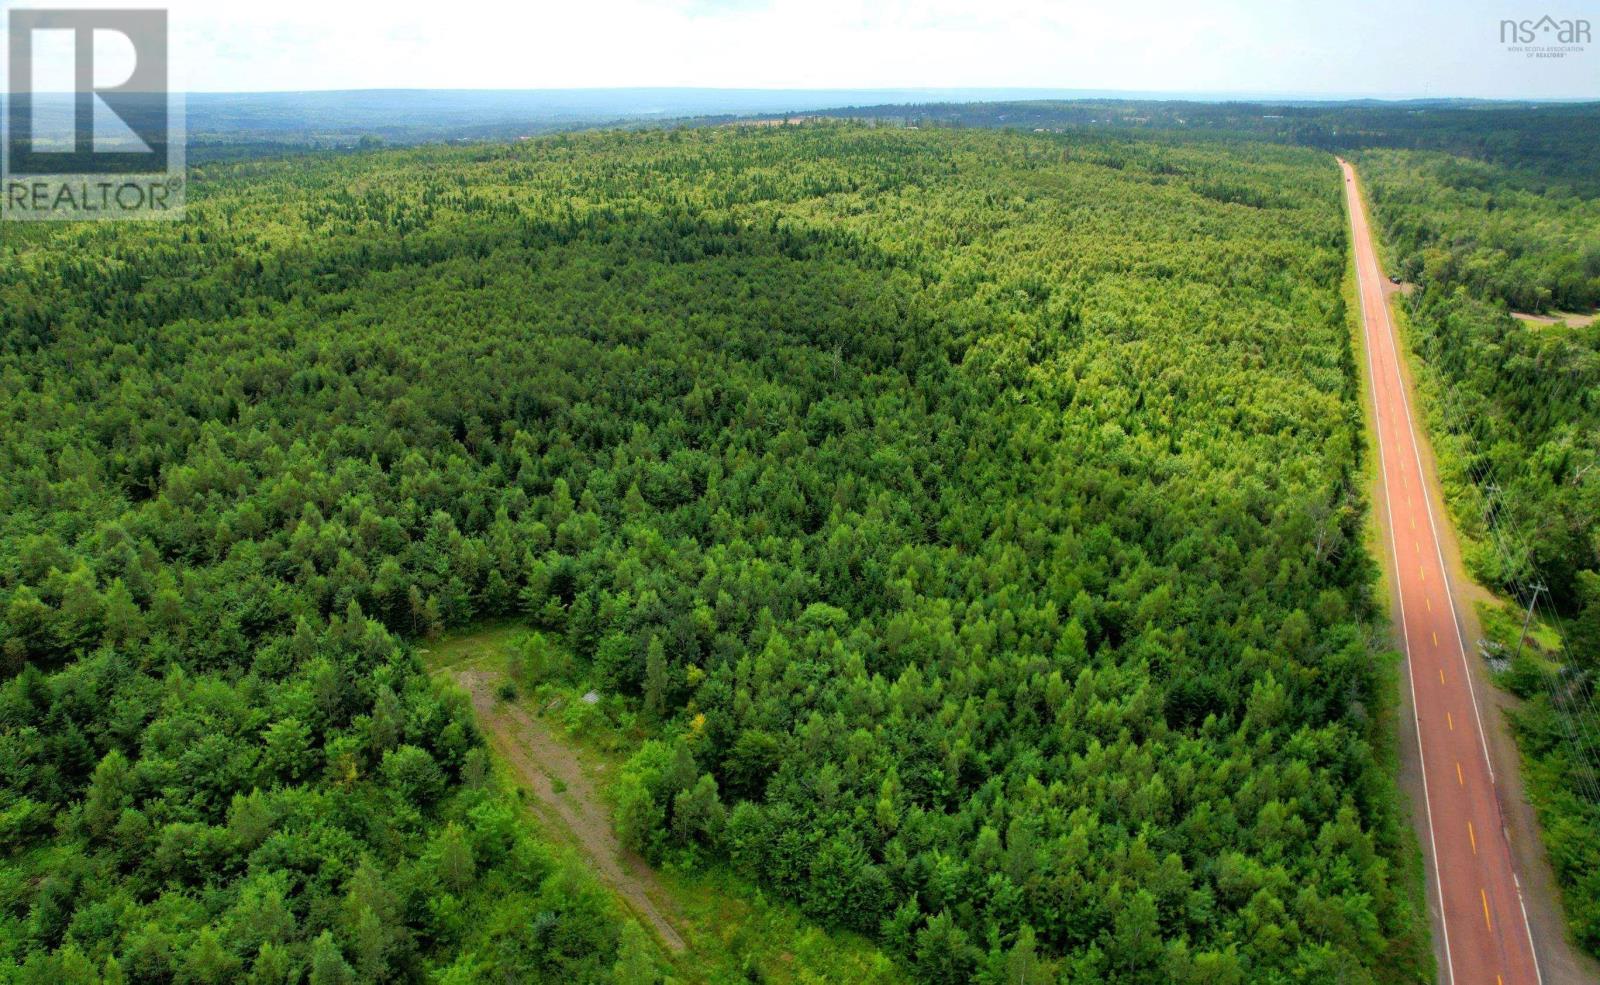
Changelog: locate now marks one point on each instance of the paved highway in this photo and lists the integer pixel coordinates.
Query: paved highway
(1476, 897)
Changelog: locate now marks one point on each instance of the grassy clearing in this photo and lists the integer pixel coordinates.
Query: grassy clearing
(471, 649)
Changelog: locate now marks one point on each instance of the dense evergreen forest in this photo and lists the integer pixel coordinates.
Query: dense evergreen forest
(969, 521)
(1520, 406)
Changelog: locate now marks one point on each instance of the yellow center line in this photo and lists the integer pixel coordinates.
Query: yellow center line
(1436, 643)
(1459, 778)
(1486, 921)
(1441, 675)
(1424, 573)
(1451, 719)
(1429, 602)
(1474, 836)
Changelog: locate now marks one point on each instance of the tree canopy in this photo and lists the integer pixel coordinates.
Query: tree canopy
(973, 516)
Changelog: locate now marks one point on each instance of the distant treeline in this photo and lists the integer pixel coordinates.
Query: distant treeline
(1557, 139)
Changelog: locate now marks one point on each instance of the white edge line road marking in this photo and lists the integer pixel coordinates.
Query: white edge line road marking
(1351, 200)
(1523, 906)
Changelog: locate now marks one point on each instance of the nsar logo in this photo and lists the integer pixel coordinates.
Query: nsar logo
(1545, 37)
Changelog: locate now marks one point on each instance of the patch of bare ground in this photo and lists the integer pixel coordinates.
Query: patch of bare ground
(1571, 319)
(778, 122)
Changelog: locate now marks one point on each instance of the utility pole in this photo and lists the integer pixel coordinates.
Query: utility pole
(1528, 619)
(1491, 489)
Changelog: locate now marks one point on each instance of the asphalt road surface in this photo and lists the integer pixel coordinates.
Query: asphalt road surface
(1475, 895)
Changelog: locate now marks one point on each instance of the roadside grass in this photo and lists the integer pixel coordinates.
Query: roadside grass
(735, 931)
(1531, 665)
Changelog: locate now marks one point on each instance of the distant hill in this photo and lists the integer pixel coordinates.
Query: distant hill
(410, 115)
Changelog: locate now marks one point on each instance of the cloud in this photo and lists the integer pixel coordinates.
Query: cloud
(718, 8)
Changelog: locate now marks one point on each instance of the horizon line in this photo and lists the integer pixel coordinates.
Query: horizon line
(1166, 95)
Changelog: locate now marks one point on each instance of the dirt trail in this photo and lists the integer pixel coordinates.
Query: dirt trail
(539, 757)
(1570, 319)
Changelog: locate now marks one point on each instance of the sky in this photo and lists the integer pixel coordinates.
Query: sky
(1392, 48)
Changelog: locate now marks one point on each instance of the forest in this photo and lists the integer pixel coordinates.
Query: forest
(1518, 416)
(968, 522)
